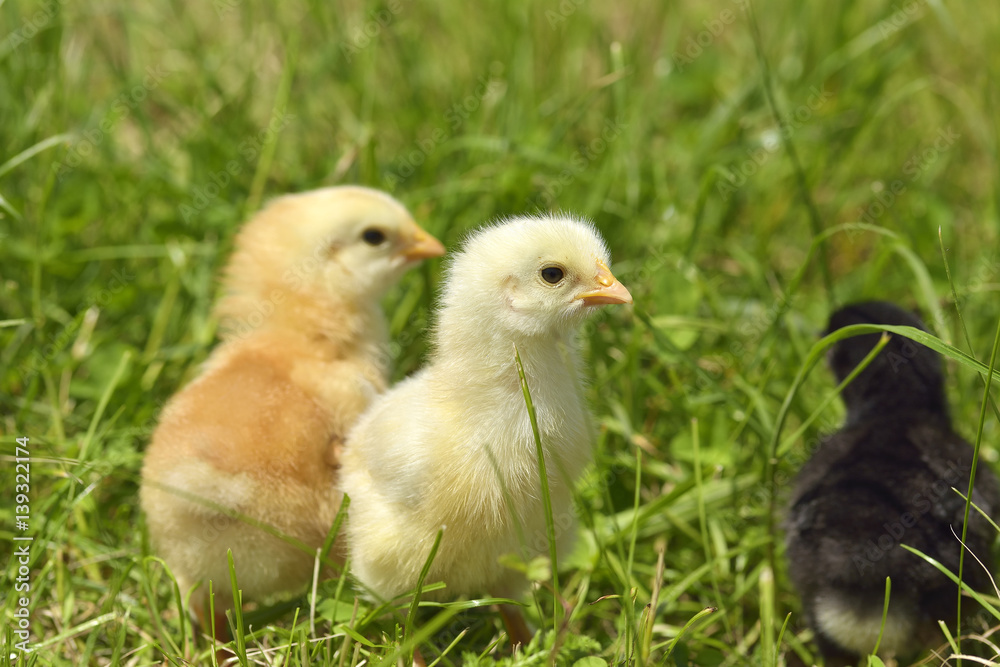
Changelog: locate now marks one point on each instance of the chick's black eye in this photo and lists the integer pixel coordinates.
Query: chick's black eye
(552, 274)
(373, 236)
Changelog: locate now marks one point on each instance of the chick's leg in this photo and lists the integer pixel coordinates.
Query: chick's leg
(834, 655)
(214, 621)
(517, 629)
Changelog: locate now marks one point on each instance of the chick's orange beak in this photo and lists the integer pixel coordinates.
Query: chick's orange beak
(421, 246)
(610, 291)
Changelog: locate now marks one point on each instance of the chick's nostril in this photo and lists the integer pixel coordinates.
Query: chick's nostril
(604, 276)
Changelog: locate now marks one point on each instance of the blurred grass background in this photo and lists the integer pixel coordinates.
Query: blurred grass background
(136, 137)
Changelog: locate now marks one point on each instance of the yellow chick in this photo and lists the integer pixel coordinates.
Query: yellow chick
(452, 446)
(259, 431)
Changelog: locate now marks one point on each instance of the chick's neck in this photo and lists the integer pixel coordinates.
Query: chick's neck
(337, 323)
(481, 355)
(879, 405)
(884, 389)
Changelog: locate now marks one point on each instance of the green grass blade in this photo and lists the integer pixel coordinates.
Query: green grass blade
(236, 613)
(544, 482)
(103, 403)
(961, 584)
(707, 611)
(824, 404)
(815, 220)
(31, 152)
(958, 314)
(975, 465)
(278, 110)
(885, 615)
(765, 582)
(411, 616)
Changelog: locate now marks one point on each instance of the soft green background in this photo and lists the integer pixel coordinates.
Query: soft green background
(662, 122)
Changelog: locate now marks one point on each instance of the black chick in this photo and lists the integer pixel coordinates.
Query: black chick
(882, 480)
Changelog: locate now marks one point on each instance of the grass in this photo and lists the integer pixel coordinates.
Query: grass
(732, 169)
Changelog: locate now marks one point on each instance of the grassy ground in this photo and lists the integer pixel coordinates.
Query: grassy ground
(140, 135)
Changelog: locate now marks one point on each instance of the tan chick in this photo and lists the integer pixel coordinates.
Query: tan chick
(443, 448)
(259, 431)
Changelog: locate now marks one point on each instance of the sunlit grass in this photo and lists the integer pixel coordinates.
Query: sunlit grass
(137, 137)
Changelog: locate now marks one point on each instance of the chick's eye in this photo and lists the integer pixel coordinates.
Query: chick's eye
(552, 274)
(373, 236)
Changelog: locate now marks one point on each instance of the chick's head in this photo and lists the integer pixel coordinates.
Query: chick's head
(349, 243)
(905, 374)
(531, 276)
